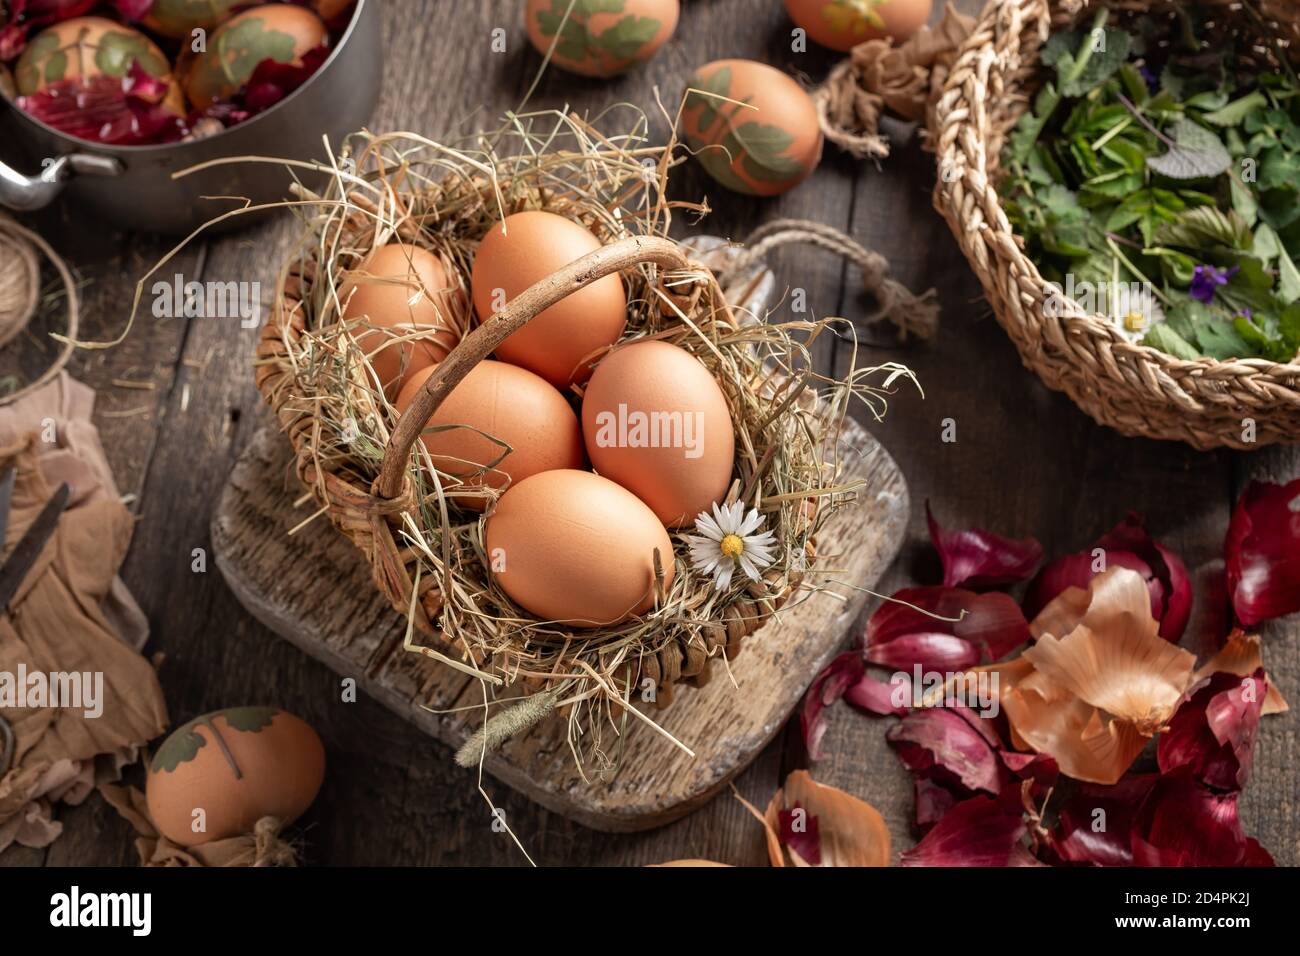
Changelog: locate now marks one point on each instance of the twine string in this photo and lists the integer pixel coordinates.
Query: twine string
(883, 76)
(20, 294)
(912, 314)
(268, 848)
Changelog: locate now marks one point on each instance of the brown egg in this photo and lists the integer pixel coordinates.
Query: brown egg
(524, 249)
(655, 421)
(762, 148)
(216, 776)
(86, 47)
(513, 406)
(399, 290)
(577, 549)
(843, 24)
(179, 18)
(282, 32)
(612, 39)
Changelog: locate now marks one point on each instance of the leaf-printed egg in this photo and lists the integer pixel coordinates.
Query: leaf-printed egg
(600, 37)
(843, 24)
(751, 127)
(84, 48)
(216, 776)
(275, 31)
(179, 18)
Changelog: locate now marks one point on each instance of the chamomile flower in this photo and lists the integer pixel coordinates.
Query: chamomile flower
(1134, 310)
(727, 541)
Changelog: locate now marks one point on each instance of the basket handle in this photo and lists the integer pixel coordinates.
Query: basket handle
(482, 341)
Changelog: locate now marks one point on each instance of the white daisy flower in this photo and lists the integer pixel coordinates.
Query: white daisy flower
(1134, 309)
(727, 541)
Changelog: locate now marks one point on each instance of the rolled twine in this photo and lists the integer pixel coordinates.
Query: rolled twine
(268, 848)
(849, 114)
(20, 281)
(915, 315)
(882, 76)
(20, 294)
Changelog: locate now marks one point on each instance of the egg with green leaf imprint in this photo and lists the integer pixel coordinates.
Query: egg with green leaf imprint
(600, 37)
(280, 32)
(85, 48)
(218, 775)
(751, 127)
(179, 18)
(843, 24)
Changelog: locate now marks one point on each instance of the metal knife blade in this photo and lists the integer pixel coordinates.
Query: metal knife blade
(28, 549)
(6, 501)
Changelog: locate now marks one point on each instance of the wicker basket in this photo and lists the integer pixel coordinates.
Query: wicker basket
(1133, 388)
(373, 499)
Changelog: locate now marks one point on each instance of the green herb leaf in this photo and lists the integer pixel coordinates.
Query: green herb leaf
(1206, 226)
(1197, 155)
(1244, 203)
(1237, 110)
(1164, 338)
(1086, 58)
(1288, 277)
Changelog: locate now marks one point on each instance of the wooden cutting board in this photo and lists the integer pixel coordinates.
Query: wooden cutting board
(313, 589)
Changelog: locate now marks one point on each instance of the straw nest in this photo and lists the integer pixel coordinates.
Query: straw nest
(427, 554)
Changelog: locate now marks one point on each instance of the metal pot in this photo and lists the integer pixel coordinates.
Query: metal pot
(132, 186)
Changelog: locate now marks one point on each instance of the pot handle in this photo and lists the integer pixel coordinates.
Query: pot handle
(25, 193)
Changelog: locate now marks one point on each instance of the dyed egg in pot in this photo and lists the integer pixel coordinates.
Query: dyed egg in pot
(613, 37)
(656, 422)
(522, 250)
(179, 18)
(843, 24)
(331, 10)
(86, 47)
(217, 775)
(575, 548)
(400, 290)
(282, 32)
(512, 405)
(766, 142)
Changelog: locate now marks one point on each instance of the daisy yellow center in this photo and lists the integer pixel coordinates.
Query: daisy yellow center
(1134, 321)
(732, 545)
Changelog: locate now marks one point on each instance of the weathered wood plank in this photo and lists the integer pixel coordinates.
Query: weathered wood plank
(1025, 461)
(1270, 806)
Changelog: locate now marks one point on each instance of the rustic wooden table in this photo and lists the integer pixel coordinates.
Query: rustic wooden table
(177, 404)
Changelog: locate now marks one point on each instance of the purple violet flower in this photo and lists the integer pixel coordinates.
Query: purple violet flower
(1205, 279)
(1147, 74)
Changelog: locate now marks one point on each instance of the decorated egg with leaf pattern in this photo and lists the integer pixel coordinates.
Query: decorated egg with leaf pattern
(843, 24)
(84, 48)
(216, 776)
(179, 18)
(281, 32)
(753, 128)
(600, 37)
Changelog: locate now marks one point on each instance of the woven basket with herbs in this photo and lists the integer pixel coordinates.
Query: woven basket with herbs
(1123, 180)
(362, 463)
